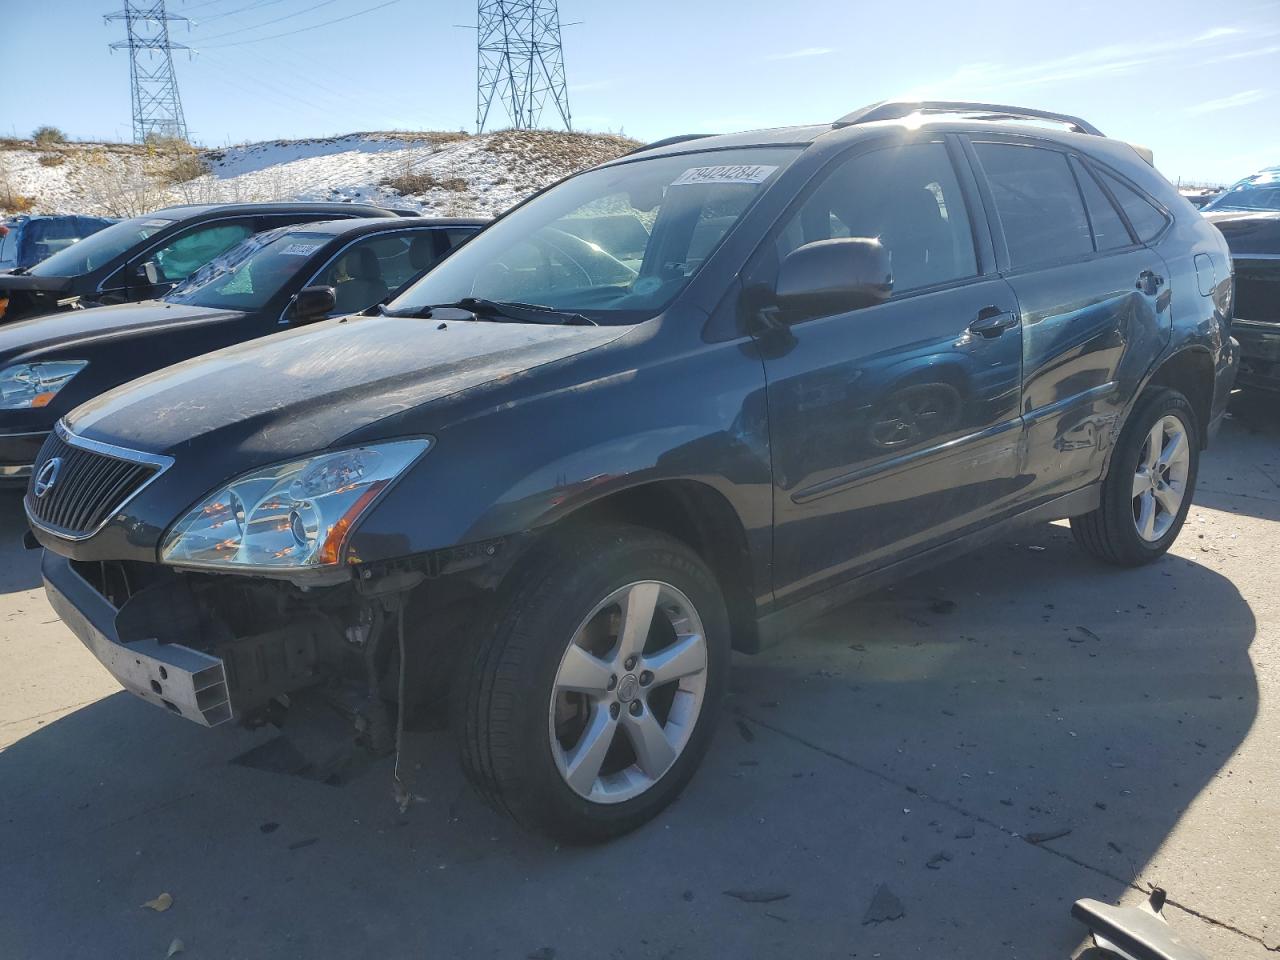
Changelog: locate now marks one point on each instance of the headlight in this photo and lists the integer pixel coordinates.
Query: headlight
(292, 516)
(29, 385)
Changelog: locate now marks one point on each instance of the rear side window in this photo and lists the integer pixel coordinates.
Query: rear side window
(1109, 231)
(1038, 202)
(1147, 219)
(907, 196)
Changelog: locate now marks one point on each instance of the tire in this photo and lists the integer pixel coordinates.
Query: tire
(517, 726)
(1114, 532)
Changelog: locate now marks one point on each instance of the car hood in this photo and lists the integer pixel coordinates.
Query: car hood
(303, 390)
(25, 281)
(1248, 232)
(82, 327)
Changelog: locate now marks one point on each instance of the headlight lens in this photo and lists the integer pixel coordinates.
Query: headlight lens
(292, 516)
(29, 385)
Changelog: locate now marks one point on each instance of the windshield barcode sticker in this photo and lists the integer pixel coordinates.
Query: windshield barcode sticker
(726, 173)
(300, 249)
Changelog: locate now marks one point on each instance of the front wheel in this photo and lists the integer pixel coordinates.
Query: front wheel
(588, 702)
(1148, 488)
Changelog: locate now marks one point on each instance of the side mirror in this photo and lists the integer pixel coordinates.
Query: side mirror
(146, 274)
(313, 303)
(834, 276)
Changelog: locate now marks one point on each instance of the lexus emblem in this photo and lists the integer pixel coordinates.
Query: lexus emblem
(47, 477)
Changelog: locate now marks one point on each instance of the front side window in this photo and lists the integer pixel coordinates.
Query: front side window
(908, 197)
(616, 244)
(183, 256)
(373, 268)
(247, 276)
(1039, 204)
(100, 248)
(1147, 219)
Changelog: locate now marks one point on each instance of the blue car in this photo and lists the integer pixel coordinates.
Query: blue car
(25, 241)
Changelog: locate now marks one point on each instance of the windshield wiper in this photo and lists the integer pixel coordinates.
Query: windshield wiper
(505, 310)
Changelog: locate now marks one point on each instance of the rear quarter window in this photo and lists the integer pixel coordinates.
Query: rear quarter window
(1038, 202)
(1147, 219)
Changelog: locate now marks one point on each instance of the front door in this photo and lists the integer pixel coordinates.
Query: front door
(894, 426)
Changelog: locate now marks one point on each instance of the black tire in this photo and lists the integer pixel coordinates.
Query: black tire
(1109, 532)
(503, 685)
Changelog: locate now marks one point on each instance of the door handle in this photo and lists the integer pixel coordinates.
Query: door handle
(1149, 282)
(992, 321)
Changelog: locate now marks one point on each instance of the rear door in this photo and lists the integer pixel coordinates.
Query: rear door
(1093, 299)
(894, 426)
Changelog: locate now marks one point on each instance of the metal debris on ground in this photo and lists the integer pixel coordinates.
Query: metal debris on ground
(176, 947)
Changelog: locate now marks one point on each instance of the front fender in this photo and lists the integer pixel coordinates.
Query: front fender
(528, 454)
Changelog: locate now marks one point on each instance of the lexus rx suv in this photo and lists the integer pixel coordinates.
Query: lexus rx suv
(556, 481)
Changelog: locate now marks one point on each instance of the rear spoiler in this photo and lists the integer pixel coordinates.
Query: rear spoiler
(1144, 152)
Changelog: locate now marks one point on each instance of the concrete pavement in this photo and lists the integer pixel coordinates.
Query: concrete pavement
(916, 739)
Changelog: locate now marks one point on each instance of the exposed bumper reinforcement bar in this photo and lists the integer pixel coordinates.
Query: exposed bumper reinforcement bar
(184, 681)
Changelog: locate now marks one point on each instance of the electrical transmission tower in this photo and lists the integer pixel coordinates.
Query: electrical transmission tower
(157, 108)
(520, 61)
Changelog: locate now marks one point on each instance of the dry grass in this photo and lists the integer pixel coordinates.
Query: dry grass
(412, 182)
(560, 148)
(51, 160)
(47, 136)
(11, 202)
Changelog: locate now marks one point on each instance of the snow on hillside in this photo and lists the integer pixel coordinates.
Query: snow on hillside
(445, 174)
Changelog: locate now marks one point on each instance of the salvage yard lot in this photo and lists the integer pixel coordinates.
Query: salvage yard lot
(914, 741)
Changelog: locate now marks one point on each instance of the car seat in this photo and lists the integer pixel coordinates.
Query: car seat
(364, 285)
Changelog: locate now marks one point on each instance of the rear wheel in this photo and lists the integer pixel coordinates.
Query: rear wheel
(1148, 488)
(588, 702)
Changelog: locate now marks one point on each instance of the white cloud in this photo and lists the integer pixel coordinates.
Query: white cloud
(1106, 61)
(798, 54)
(1240, 99)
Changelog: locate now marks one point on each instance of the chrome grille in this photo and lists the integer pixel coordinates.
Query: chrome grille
(87, 485)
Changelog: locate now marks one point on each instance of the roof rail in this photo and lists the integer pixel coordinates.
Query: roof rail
(898, 109)
(669, 141)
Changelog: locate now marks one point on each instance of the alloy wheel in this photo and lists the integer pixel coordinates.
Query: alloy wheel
(628, 692)
(1160, 483)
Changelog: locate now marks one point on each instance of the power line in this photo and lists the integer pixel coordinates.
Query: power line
(314, 26)
(267, 23)
(229, 13)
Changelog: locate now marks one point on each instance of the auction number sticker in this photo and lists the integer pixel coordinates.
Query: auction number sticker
(726, 173)
(300, 249)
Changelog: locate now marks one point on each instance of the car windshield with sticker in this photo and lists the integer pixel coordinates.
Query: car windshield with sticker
(615, 244)
(252, 272)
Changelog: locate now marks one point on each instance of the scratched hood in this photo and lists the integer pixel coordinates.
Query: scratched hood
(302, 390)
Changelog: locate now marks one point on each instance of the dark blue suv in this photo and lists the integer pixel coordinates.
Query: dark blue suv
(662, 410)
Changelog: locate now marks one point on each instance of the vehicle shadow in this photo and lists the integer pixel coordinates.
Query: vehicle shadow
(1240, 472)
(912, 739)
(19, 567)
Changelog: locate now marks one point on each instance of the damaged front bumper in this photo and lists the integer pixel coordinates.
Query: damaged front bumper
(187, 682)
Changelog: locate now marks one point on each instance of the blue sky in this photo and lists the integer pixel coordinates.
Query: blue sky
(1197, 82)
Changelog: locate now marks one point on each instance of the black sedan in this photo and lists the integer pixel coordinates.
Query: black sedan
(1248, 214)
(287, 276)
(146, 257)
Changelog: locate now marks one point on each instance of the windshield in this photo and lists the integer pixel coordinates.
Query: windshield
(100, 248)
(252, 272)
(1259, 192)
(615, 244)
